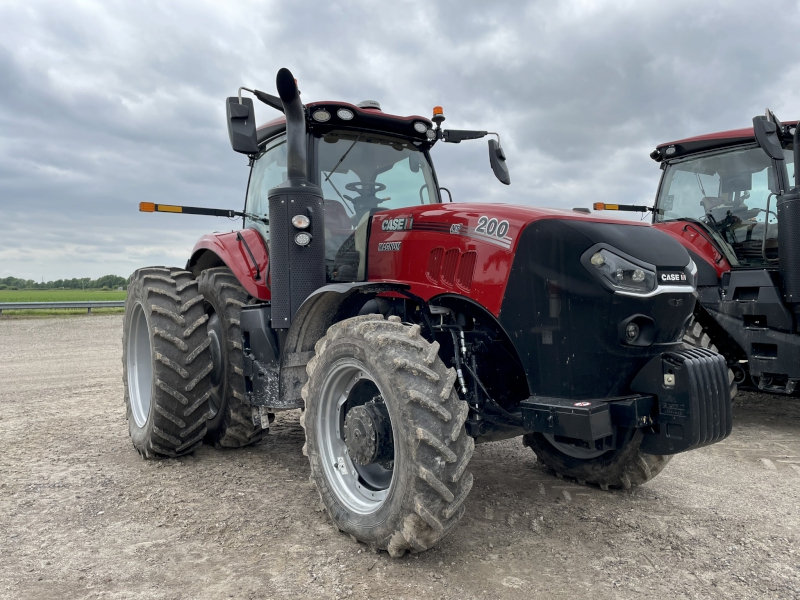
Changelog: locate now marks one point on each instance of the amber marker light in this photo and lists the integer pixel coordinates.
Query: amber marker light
(604, 206)
(147, 207)
(438, 110)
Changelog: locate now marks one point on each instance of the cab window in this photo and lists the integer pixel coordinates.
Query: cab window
(268, 171)
(361, 174)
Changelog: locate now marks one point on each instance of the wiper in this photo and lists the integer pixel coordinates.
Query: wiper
(343, 157)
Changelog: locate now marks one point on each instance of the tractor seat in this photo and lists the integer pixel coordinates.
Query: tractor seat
(336, 216)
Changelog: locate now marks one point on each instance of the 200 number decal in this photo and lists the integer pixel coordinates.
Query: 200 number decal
(492, 227)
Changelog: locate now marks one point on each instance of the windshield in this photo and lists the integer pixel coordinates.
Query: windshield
(360, 174)
(729, 191)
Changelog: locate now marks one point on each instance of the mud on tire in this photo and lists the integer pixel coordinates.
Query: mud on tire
(622, 468)
(429, 480)
(165, 361)
(231, 424)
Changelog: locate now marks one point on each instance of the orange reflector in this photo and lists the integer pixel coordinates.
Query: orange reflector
(438, 110)
(147, 207)
(603, 206)
(169, 208)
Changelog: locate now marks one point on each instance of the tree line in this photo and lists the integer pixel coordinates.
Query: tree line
(85, 283)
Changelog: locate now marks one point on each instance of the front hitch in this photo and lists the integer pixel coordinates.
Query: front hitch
(682, 401)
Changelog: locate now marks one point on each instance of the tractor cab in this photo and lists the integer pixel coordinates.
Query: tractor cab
(359, 159)
(359, 172)
(730, 191)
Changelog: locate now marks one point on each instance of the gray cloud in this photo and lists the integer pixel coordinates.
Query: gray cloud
(107, 104)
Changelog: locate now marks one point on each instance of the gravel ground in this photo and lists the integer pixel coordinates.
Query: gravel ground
(82, 516)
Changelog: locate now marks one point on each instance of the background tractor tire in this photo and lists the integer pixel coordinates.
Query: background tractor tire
(696, 336)
(231, 424)
(429, 480)
(166, 363)
(622, 468)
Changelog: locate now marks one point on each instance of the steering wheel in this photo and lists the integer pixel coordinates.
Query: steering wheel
(365, 188)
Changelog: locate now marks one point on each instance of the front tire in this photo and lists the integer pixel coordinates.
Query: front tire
(623, 468)
(165, 362)
(411, 496)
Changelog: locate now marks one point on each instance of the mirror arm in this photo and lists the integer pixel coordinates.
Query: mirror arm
(268, 99)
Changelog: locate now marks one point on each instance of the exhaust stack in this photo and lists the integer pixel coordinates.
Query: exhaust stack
(296, 270)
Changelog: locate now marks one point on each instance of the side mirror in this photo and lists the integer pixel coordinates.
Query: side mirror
(497, 158)
(767, 137)
(242, 125)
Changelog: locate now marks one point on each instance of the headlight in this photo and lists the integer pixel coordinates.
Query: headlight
(623, 274)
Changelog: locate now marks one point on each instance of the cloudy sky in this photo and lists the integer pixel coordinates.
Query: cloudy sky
(106, 104)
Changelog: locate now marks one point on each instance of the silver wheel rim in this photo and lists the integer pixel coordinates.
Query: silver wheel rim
(140, 366)
(573, 451)
(339, 469)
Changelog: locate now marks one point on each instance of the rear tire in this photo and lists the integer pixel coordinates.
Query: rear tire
(165, 362)
(696, 336)
(413, 500)
(623, 468)
(231, 424)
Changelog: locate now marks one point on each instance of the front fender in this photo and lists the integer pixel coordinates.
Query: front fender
(326, 306)
(218, 249)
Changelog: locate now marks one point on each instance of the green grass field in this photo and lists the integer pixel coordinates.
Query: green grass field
(58, 296)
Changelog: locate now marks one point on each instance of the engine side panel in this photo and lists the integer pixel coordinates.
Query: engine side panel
(227, 248)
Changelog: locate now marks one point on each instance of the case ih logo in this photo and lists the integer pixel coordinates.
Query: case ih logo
(673, 277)
(389, 246)
(399, 224)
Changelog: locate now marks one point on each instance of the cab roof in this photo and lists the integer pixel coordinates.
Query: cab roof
(709, 141)
(364, 118)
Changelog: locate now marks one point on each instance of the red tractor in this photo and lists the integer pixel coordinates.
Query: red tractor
(407, 328)
(726, 197)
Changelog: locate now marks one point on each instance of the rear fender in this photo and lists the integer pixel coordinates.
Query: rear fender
(226, 249)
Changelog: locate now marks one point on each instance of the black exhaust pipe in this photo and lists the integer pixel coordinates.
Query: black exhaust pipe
(297, 269)
(297, 167)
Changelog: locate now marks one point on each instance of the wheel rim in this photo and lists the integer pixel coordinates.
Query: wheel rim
(573, 451)
(216, 399)
(362, 489)
(140, 366)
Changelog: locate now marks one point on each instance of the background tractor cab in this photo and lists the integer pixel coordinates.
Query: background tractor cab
(728, 197)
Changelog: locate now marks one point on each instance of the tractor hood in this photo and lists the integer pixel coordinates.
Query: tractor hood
(549, 278)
